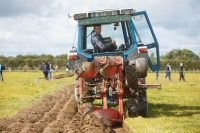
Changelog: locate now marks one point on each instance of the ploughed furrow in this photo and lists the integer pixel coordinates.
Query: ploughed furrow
(88, 123)
(37, 111)
(38, 115)
(49, 116)
(63, 118)
(56, 113)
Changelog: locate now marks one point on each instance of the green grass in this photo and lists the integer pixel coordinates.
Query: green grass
(175, 108)
(19, 89)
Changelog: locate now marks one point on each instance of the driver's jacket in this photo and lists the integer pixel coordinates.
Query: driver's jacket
(97, 42)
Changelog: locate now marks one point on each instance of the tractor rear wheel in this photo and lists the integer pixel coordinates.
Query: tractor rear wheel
(132, 82)
(131, 77)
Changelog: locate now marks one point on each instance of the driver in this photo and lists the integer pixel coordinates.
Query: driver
(97, 41)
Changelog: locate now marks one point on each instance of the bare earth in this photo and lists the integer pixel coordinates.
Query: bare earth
(56, 113)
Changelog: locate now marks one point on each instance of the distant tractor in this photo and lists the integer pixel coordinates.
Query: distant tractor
(114, 75)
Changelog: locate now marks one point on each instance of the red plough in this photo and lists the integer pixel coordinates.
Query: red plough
(104, 68)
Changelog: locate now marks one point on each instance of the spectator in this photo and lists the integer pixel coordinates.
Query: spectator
(50, 70)
(180, 70)
(56, 68)
(156, 73)
(168, 72)
(67, 67)
(45, 69)
(2, 67)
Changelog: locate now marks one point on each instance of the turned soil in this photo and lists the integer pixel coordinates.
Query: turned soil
(56, 113)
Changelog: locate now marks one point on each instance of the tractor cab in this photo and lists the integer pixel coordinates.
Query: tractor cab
(131, 30)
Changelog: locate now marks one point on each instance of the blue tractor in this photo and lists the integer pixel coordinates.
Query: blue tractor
(114, 75)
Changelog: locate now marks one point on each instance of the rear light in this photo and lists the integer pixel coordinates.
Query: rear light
(73, 57)
(142, 50)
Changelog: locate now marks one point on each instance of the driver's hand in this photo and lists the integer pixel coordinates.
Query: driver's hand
(113, 42)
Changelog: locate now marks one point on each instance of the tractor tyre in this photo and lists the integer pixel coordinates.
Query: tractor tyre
(143, 106)
(143, 103)
(132, 107)
(131, 77)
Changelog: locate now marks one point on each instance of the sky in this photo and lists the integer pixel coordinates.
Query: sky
(43, 26)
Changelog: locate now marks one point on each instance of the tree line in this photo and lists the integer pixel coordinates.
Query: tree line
(33, 62)
(190, 60)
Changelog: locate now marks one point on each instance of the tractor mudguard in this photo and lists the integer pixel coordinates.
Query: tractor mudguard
(140, 62)
(132, 56)
(141, 66)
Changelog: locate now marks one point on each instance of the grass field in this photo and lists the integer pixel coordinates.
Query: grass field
(174, 108)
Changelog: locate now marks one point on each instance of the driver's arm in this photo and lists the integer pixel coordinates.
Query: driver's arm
(97, 39)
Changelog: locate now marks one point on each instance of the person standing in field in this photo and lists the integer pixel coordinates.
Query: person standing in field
(56, 68)
(45, 69)
(168, 72)
(50, 70)
(2, 67)
(67, 67)
(180, 70)
(156, 74)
